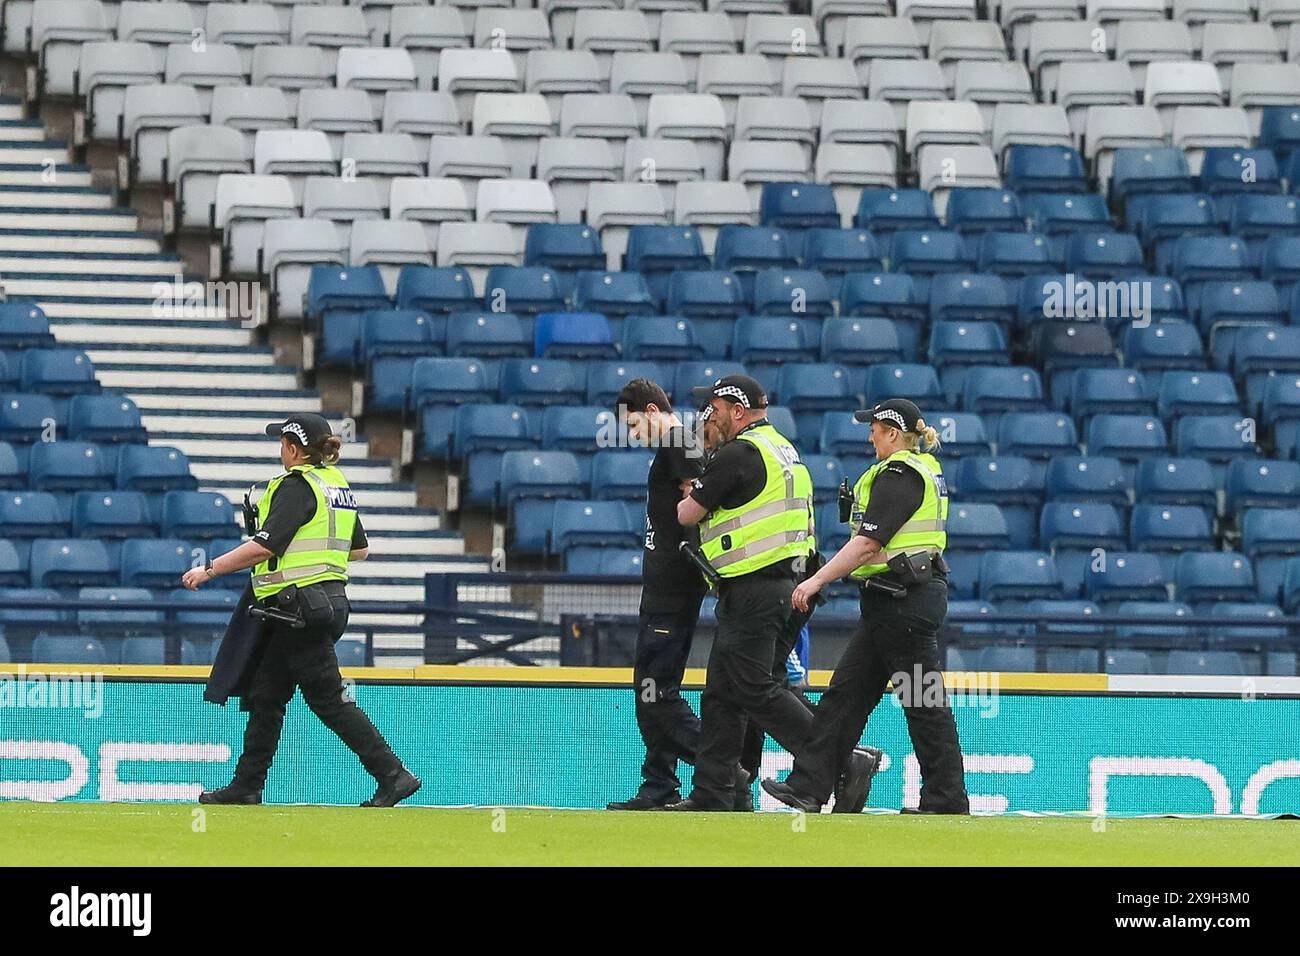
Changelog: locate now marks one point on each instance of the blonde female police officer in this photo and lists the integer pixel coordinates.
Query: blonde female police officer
(899, 514)
(308, 531)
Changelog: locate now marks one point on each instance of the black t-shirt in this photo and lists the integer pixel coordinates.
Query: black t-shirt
(292, 507)
(896, 494)
(668, 578)
(735, 475)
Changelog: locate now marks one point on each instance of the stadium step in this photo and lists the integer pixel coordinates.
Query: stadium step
(36, 174)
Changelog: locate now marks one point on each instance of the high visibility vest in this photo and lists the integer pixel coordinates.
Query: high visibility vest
(776, 525)
(319, 550)
(924, 532)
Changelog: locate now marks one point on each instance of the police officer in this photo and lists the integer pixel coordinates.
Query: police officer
(899, 516)
(671, 592)
(753, 504)
(308, 531)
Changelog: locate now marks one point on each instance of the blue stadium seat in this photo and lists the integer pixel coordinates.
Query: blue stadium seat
(1077, 611)
(1170, 528)
(891, 295)
(1119, 661)
(660, 337)
(1231, 169)
(832, 534)
(72, 562)
(604, 562)
(1145, 169)
(976, 209)
(1104, 255)
(1279, 259)
(1291, 586)
(568, 335)
(24, 325)
(886, 210)
(1063, 213)
(658, 251)
(843, 436)
(399, 332)
(977, 525)
(971, 297)
(1219, 663)
(1015, 388)
(1037, 434)
(927, 252)
(826, 472)
(1064, 348)
(998, 659)
(1018, 576)
(1260, 217)
(606, 379)
(58, 371)
(524, 290)
(24, 417)
(768, 338)
(488, 335)
(1197, 393)
(435, 290)
(592, 524)
(1175, 481)
(1160, 218)
(349, 653)
(1281, 399)
(531, 521)
(620, 473)
(1205, 259)
(119, 621)
(1002, 479)
(1113, 391)
(1087, 478)
(448, 381)
(1016, 254)
(1247, 609)
(111, 514)
(70, 466)
(211, 611)
(1125, 576)
(1080, 524)
(962, 433)
(489, 428)
(1265, 350)
(196, 515)
(31, 514)
(567, 246)
(615, 294)
(1169, 345)
(1225, 309)
(745, 250)
(539, 474)
(801, 293)
(67, 649)
(708, 294)
(861, 341)
(543, 381)
(1218, 438)
(104, 418)
(13, 473)
(798, 206)
(816, 386)
(155, 563)
(836, 252)
(576, 428)
(15, 567)
(336, 297)
(919, 383)
(1044, 169)
(1213, 576)
(967, 342)
(1260, 483)
(1126, 437)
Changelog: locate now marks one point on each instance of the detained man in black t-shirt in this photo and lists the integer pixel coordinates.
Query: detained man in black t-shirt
(672, 589)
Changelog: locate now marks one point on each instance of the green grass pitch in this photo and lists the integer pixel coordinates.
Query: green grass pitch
(72, 834)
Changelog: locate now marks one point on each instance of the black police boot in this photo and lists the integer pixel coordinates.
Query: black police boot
(935, 813)
(744, 793)
(691, 805)
(233, 794)
(393, 790)
(789, 797)
(855, 785)
(644, 803)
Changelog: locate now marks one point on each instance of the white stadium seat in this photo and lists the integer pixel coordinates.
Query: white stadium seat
(196, 156)
(613, 207)
(553, 73)
(709, 205)
(693, 116)
(664, 162)
(149, 112)
(469, 159)
(903, 82)
(245, 26)
(243, 205)
(291, 68)
(642, 75)
(606, 32)
(430, 201)
(520, 120)
(206, 68)
(569, 165)
(105, 71)
(251, 108)
(608, 116)
(59, 28)
(425, 32)
(376, 71)
(335, 112)
(292, 247)
(988, 84)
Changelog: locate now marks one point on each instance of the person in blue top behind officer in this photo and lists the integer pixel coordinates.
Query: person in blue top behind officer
(899, 517)
(307, 531)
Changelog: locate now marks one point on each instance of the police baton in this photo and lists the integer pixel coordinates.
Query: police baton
(700, 561)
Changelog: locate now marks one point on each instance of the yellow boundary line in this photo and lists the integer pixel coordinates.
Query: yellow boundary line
(565, 676)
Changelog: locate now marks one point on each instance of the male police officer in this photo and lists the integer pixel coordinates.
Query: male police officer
(754, 508)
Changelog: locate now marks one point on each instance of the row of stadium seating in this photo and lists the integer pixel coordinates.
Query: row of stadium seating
(64, 563)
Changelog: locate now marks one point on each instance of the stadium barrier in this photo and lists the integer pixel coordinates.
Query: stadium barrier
(566, 737)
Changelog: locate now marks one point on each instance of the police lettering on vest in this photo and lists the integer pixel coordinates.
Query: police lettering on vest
(319, 549)
(775, 525)
(924, 532)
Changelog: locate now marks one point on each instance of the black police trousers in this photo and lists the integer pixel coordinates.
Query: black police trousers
(304, 657)
(895, 637)
(742, 688)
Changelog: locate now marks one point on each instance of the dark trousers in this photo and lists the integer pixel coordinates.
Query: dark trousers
(753, 614)
(305, 658)
(668, 726)
(895, 637)
(751, 754)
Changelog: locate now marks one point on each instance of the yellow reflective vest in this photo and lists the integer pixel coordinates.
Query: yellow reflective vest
(319, 550)
(775, 525)
(926, 530)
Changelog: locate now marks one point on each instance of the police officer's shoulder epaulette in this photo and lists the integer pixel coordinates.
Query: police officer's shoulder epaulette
(897, 468)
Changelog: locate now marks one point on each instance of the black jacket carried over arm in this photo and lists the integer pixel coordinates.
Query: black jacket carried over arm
(238, 655)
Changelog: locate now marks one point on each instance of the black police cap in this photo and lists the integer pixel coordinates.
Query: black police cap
(306, 428)
(735, 388)
(898, 412)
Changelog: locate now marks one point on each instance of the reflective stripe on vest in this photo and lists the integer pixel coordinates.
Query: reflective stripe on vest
(775, 525)
(923, 533)
(320, 548)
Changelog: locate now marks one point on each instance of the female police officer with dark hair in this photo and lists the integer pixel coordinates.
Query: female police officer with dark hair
(307, 532)
(899, 513)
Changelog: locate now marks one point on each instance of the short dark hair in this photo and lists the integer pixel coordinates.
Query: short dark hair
(640, 393)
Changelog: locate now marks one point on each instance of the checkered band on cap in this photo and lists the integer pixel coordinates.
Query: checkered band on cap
(893, 416)
(293, 428)
(731, 391)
